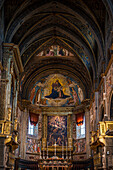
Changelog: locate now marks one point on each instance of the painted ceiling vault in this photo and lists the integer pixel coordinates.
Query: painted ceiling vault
(57, 37)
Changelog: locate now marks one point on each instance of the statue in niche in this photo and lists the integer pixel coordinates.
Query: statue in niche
(57, 91)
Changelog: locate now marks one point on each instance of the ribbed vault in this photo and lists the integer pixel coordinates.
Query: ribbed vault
(76, 25)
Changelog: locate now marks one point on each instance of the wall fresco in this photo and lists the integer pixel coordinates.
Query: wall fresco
(79, 146)
(56, 90)
(55, 50)
(32, 146)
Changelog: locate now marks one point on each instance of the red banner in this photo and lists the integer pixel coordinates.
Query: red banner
(34, 118)
(79, 119)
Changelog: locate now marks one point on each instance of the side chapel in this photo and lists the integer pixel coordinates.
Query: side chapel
(56, 84)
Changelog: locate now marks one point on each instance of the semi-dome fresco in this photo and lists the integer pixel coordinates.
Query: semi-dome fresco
(56, 90)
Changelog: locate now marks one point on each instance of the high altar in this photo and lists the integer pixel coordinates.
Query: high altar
(57, 138)
(55, 119)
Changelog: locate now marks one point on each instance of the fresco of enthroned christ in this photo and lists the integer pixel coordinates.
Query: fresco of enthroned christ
(57, 91)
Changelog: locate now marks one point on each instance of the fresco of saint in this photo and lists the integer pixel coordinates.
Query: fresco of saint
(80, 146)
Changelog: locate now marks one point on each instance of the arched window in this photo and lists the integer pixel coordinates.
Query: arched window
(80, 128)
(111, 109)
(32, 130)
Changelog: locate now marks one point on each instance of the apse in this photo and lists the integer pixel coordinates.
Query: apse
(56, 90)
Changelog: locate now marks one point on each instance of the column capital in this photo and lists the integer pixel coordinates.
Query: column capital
(14, 51)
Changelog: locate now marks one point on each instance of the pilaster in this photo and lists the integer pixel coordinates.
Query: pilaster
(2, 150)
(3, 88)
(8, 116)
(97, 107)
(87, 119)
(69, 131)
(24, 123)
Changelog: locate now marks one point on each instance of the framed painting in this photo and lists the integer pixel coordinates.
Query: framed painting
(57, 130)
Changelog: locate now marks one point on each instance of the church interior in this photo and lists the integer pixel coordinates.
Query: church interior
(56, 84)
